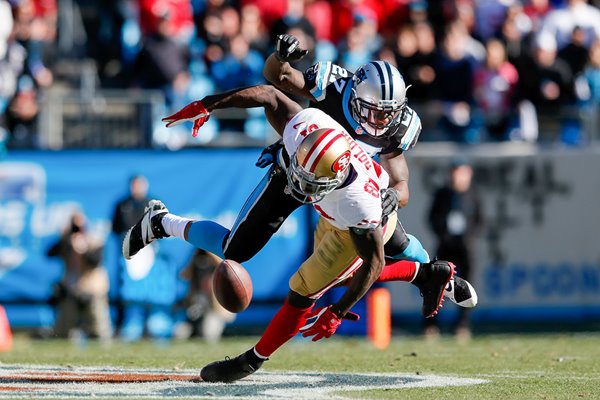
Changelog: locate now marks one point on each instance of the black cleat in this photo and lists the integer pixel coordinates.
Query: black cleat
(230, 369)
(461, 292)
(145, 230)
(432, 290)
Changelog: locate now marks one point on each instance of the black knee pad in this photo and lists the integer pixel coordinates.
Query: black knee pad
(397, 243)
(299, 301)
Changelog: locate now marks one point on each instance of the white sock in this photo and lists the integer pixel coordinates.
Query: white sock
(175, 225)
(417, 266)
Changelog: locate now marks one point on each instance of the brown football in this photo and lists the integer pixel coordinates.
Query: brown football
(232, 286)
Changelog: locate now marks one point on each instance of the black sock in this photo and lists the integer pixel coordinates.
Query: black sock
(254, 360)
(422, 275)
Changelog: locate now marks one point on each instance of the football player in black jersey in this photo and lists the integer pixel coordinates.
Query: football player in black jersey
(370, 105)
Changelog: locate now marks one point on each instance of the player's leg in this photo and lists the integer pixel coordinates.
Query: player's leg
(261, 216)
(425, 275)
(283, 326)
(333, 260)
(431, 278)
(263, 213)
(403, 246)
(158, 223)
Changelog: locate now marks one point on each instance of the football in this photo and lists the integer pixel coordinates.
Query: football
(232, 286)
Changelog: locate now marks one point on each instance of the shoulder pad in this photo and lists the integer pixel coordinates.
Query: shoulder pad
(321, 75)
(409, 129)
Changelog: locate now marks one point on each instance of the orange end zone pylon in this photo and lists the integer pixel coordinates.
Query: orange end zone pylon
(6, 339)
(379, 319)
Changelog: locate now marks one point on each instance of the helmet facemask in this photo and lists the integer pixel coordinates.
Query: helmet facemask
(377, 120)
(306, 187)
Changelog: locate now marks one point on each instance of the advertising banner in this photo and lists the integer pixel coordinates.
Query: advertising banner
(39, 191)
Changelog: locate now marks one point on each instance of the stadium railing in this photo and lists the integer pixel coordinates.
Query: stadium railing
(115, 118)
(104, 119)
(127, 118)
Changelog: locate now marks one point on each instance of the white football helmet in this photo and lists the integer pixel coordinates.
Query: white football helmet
(378, 98)
(319, 165)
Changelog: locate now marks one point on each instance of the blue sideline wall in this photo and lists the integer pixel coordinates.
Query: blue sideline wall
(538, 257)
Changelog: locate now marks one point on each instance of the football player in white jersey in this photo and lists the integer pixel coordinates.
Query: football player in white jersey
(349, 239)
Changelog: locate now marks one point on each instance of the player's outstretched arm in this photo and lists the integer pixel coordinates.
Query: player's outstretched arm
(369, 246)
(278, 107)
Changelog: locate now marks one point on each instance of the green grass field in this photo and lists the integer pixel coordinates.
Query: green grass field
(561, 366)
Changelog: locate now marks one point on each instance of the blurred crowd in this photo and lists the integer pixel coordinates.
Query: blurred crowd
(479, 70)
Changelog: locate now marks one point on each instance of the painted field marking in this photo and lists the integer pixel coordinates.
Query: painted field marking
(19, 381)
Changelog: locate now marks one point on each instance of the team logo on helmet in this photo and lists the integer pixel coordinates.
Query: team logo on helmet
(361, 75)
(342, 162)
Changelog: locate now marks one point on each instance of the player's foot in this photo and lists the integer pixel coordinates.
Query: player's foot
(230, 369)
(438, 274)
(146, 229)
(461, 292)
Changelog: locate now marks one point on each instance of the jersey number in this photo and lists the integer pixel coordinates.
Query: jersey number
(311, 128)
(336, 73)
(372, 189)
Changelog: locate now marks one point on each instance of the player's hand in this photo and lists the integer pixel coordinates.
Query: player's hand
(287, 48)
(269, 154)
(194, 111)
(325, 324)
(390, 198)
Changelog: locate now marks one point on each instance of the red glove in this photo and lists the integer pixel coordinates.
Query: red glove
(325, 323)
(192, 112)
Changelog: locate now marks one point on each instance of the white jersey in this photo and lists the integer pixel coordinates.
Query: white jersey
(357, 203)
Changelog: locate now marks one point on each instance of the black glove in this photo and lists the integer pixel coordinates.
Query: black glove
(389, 203)
(287, 48)
(269, 154)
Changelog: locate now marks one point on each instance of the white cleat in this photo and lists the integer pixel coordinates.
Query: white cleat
(146, 230)
(461, 292)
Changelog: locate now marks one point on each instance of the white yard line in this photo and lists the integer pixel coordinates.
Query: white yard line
(20, 381)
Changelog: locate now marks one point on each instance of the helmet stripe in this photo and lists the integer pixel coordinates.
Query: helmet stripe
(323, 147)
(391, 79)
(313, 148)
(382, 78)
(322, 152)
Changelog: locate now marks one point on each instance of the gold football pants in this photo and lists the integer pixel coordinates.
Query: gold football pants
(333, 260)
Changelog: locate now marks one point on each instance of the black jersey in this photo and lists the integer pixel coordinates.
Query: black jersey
(331, 88)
